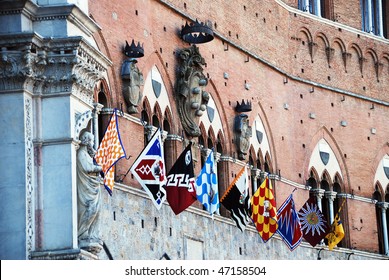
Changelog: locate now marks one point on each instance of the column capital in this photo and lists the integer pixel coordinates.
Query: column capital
(319, 193)
(330, 195)
(383, 205)
(255, 172)
(97, 107)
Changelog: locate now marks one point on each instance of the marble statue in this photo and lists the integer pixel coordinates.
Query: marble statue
(89, 195)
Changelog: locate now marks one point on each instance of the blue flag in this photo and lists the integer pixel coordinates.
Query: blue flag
(206, 186)
(289, 224)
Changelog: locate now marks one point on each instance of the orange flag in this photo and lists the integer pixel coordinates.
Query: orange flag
(110, 151)
(264, 211)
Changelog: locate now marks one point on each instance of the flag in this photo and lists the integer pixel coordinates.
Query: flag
(149, 170)
(264, 211)
(289, 224)
(110, 151)
(206, 186)
(237, 200)
(313, 223)
(337, 232)
(180, 189)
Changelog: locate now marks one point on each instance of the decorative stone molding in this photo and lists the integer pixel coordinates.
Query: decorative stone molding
(51, 66)
(330, 195)
(191, 97)
(30, 195)
(319, 193)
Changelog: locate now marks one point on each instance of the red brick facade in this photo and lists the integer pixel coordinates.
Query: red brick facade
(294, 64)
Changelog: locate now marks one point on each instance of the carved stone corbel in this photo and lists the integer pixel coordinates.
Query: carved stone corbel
(330, 55)
(346, 59)
(312, 47)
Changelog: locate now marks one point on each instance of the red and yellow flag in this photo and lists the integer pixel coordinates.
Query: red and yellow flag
(264, 211)
(109, 152)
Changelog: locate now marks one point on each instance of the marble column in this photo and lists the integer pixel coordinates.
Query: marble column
(330, 195)
(384, 206)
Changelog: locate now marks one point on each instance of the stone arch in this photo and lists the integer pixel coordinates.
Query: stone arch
(268, 166)
(252, 155)
(261, 158)
(154, 62)
(358, 57)
(325, 176)
(313, 178)
(102, 46)
(377, 168)
(224, 131)
(322, 36)
(221, 141)
(203, 135)
(167, 119)
(103, 88)
(271, 152)
(373, 66)
(211, 136)
(321, 47)
(340, 53)
(147, 109)
(338, 179)
(158, 113)
(323, 133)
(309, 43)
(380, 190)
(305, 31)
(385, 64)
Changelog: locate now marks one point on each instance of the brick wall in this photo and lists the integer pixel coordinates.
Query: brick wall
(286, 58)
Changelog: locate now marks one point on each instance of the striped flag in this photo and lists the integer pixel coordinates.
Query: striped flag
(289, 224)
(264, 212)
(149, 170)
(110, 151)
(206, 186)
(237, 200)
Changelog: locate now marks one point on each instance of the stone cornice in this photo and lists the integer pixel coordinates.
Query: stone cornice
(50, 65)
(71, 12)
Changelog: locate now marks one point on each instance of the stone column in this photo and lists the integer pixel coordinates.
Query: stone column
(380, 19)
(319, 193)
(318, 8)
(384, 206)
(331, 197)
(369, 16)
(255, 174)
